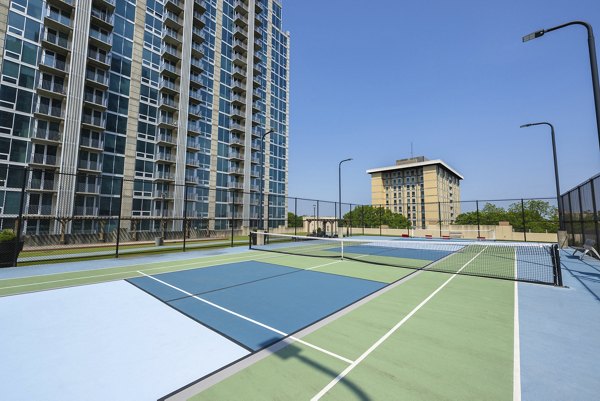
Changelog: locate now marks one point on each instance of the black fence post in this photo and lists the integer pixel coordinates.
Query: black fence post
(317, 218)
(523, 218)
(478, 221)
(594, 211)
(440, 217)
(20, 218)
(185, 202)
(119, 218)
(232, 215)
(296, 218)
(350, 221)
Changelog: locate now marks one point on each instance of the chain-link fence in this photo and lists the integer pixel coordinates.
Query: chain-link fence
(580, 214)
(61, 216)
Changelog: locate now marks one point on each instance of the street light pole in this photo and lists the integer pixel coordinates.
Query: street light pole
(593, 61)
(315, 218)
(340, 193)
(262, 167)
(558, 198)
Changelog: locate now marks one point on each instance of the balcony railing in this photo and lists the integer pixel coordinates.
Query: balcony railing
(164, 83)
(166, 138)
(52, 86)
(171, 68)
(47, 135)
(100, 57)
(163, 156)
(89, 165)
(40, 158)
(193, 143)
(99, 100)
(158, 193)
(102, 37)
(54, 63)
(86, 210)
(43, 210)
(167, 121)
(96, 121)
(58, 17)
(238, 127)
(42, 185)
(56, 40)
(235, 185)
(88, 187)
(92, 143)
(108, 18)
(236, 141)
(171, 33)
(46, 109)
(168, 15)
(167, 101)
(164, 175)
(100, 78)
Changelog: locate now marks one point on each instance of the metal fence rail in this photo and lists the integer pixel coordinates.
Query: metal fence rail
(580, 212)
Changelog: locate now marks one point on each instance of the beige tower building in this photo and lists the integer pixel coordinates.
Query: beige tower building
(425, 191)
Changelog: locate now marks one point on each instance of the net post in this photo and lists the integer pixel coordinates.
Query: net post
(556, 264)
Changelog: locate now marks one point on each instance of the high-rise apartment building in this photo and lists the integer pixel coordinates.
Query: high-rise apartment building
(144, 108)
(424, 191)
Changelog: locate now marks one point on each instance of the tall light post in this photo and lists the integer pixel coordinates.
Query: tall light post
(593, 61)
(262, 168)
(340, 193)
(315, 217)
(558, 199)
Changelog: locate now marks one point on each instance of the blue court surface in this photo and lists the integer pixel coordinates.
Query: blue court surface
(255, 304)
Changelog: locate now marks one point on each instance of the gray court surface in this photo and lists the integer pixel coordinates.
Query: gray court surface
(107, 341)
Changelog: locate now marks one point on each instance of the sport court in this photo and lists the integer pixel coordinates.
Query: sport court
(284, 325)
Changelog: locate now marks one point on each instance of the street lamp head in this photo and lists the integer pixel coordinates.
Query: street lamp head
(525, 125)
(534, 35)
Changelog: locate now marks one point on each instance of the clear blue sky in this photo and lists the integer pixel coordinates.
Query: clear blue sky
(454, 78)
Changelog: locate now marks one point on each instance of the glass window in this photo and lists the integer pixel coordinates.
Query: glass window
(10, 69)
(32, 30)
(29, 55)
(18, 151)
(27, 77)
(21, 126)
(24, 101)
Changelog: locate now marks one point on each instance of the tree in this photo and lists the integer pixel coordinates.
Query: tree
(295, 221)
(371, 216)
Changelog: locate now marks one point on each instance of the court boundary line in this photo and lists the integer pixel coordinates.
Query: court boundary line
(516, 343)
(375, 345)
(253, 321)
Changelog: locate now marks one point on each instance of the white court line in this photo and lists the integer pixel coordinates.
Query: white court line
(249, 319)
(517, 344)
(388, 334)
(195, 263)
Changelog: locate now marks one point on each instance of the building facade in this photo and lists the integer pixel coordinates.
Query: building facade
(424, 191)
(143, 108)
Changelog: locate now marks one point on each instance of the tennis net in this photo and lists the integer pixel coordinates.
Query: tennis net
(538, 263)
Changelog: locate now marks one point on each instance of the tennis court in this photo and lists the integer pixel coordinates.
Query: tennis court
(360, 319)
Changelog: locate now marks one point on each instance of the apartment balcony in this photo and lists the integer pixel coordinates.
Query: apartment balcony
(239, 73)
(162, 194)
(255, 159)
(236, 127)
(197, 198)
(259, 56)
(99, 59)
(176, 6)
(256, 81)
(62, 4)
(238, 112)
(41, 160)
(164, 176)
(235, 185)
(239, 59)
(56, 43)
(170, 53)
(235, 141)
(196, 65)
(257, 132)
(234, 155)
(102, 18)
(96, 101)
(196, 80)
(200, 5)
(94, 122)
(46, 136)
(258, 33)
(238, 100)
(258, 119)
(172, 20)
(255, 188)
(197, 50)
(170, 70)
(167, 103)
(239, 85)
(110, 4)
(258, 93)
(240, 33)
(258, 7)
(200, 20)
(57, 20)
(171, 36)
(236, 171)
(53, 65)
(255, 145)
(87, 188)
(89, 166)
(191, 162)
(163, 139)
(168, 87)
(38, 184)
(51, 88)
(192, 179)
(85, 211)
(101, 39)
(195, 96)
(49, 112)
(240, 19)
(255, 172)
(93, 144)
(258, 44)
(193, 144)
(164, 157)
(167, 121)
(39, 210)
(97, 80)
(257, 21)
(241, 7)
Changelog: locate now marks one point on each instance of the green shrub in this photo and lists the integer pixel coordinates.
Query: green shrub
(7, 235)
